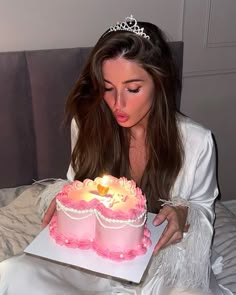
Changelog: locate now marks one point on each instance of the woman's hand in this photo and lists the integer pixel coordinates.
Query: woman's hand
(49, 213)
(173, 233)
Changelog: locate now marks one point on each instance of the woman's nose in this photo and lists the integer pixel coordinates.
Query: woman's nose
(119, 100)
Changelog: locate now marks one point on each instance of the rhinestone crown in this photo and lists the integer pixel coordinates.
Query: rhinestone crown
(130, 24)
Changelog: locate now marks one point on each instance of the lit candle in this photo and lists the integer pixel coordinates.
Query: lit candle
(103, 187)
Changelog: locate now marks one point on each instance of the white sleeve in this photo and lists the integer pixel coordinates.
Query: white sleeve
(187, 264)
(74, 136)
(204, 189)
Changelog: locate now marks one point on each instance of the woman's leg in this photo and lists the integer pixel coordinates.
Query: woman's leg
(26, 274)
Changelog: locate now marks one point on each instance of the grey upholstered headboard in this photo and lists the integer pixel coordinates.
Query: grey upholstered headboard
(34, 143)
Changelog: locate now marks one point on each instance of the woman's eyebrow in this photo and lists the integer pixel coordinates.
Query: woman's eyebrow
(105, 80)
(126, 81)
(133, 80)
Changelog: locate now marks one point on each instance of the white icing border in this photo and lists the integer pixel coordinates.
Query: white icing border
(99, 216)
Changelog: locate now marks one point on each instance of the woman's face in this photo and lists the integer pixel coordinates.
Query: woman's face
(129, 91)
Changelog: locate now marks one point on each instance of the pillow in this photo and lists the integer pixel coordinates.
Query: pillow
(224, 243)
(20, 222)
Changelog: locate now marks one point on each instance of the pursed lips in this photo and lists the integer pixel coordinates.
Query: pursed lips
(121, 117)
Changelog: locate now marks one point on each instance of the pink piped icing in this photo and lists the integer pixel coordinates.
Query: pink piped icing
(69, 242)
(132, 213)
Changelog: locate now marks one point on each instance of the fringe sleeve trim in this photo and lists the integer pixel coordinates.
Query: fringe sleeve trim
(175, 201)
(186, 265)
(48, 194)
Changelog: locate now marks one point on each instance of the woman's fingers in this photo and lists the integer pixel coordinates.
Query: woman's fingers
(173, 233)
(49, 213)
(186, 228)
(160, 217)
(168, 238)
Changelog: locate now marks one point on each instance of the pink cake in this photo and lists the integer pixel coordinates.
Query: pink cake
(107, 217)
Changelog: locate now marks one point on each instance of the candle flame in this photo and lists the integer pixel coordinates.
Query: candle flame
(103, 186)
(105, 180)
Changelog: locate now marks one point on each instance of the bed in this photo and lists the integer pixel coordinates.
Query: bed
(35, 147)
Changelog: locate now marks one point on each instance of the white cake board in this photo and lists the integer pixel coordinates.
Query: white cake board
(44, 246)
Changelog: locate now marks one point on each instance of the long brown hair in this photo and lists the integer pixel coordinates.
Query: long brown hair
(103, 145)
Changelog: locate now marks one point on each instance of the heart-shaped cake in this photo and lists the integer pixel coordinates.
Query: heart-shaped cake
(107, 215)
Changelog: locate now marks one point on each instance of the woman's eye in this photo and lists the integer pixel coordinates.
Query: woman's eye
(108, 89)
(136, 90)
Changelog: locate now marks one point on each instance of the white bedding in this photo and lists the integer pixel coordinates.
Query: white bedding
(20, 223)
(224, 244)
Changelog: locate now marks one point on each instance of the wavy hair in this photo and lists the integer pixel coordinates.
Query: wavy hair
(103, 145)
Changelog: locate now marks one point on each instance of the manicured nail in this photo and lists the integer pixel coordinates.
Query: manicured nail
(155, 221)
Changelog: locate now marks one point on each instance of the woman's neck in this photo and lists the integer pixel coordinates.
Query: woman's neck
(138, 133)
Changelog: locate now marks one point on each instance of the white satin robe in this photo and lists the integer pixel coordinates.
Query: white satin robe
(183, 265)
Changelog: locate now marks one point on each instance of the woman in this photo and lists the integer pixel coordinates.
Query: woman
(125, 123)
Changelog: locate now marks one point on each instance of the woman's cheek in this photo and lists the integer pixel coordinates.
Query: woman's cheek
(108, 100)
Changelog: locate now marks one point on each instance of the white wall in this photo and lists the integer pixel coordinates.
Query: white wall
(211, 100)
(34, 24)
(209, 92)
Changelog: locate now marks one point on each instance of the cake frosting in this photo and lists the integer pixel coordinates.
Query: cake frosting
(109, 218)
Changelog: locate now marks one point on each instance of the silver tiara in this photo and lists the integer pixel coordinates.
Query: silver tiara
(130, 24)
